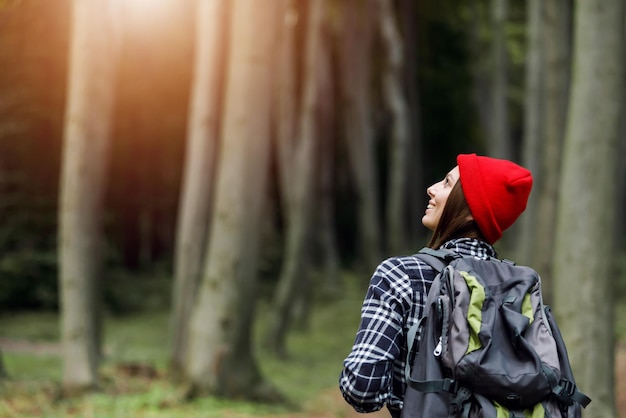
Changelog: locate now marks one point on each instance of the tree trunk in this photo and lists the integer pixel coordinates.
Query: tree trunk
(195, 203)
(416, 182)
(499, 138)
(584, 246)
(556, 40)
(620, 230)
(533, 124)
(393, 93)
(286, 99)
(92, 74)
(294, 272)
(481, 49)
(220, 359)
(329, 251)
(355, 50)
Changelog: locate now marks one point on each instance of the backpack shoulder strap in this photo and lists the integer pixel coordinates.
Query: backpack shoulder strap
(566, 390)
(437, 259)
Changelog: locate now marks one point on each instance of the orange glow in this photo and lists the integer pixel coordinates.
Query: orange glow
(146, 13)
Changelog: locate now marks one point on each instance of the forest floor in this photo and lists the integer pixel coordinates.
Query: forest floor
(328, 402)
(134, 376)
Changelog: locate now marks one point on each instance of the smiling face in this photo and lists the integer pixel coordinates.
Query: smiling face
(438, 194)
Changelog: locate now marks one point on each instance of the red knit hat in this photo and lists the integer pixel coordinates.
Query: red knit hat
(496, 192)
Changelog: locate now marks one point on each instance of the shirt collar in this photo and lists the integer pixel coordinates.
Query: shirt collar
(470, 247)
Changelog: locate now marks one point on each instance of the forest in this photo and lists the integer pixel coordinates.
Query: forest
(213, 182)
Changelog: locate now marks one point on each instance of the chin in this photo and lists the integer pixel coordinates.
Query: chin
(426, 222)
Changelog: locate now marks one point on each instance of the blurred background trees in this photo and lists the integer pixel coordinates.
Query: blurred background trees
(194, 208)
(319, 159)
(220, 357)
(589, 162)
(92, 74)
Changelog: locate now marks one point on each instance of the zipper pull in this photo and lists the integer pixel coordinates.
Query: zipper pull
(437, 351)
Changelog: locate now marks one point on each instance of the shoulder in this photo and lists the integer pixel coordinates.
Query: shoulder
(398, 284)
(402, 273)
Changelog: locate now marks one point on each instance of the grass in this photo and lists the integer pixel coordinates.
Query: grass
(308, 378)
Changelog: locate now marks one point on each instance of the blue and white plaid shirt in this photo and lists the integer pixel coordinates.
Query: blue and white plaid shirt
(373, 373)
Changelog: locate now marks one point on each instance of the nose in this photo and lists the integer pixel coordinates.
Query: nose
(431, 190)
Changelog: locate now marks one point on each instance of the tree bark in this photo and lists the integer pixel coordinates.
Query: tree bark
(294, 272)
(620, 230)
(355, 50)
(584, 246)
(329, 251)
(195, 202)
(220, 359)
(533, 124)
(500, 137)
(92, 73)
(286, 98)
(621, 182)
(481, 69)
(393, 94)
(416, 183)
(556, 40)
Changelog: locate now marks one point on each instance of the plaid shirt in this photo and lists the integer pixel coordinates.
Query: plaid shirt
(373, 373)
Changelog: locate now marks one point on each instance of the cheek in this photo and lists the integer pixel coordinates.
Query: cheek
(441, 200)
(438, 215)
(441, 203)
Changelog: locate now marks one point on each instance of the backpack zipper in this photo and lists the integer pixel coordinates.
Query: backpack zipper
(439, 348)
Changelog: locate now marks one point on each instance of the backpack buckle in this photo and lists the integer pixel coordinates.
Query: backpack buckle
(459, 400)
(513, 400)
(450, 385)
(565, 390)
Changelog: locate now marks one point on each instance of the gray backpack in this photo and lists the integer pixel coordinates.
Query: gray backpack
(487, 346)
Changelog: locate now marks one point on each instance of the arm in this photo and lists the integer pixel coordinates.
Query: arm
(367, 376)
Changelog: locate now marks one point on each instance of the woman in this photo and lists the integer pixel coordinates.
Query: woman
(467, 211)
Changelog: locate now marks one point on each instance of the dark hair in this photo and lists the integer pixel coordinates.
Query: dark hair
(456, 220)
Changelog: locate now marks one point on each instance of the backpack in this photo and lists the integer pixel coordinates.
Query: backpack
(487, 346)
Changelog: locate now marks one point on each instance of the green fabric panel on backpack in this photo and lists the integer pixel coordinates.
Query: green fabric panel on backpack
(537, 412)
(501, 412)
(527, 308)
(474, 310)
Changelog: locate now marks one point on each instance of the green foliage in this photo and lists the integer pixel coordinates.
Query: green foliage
(134, 381)
(317, 355)
(33, 368)
(126, 292)
(31, 326)
(28, 281)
